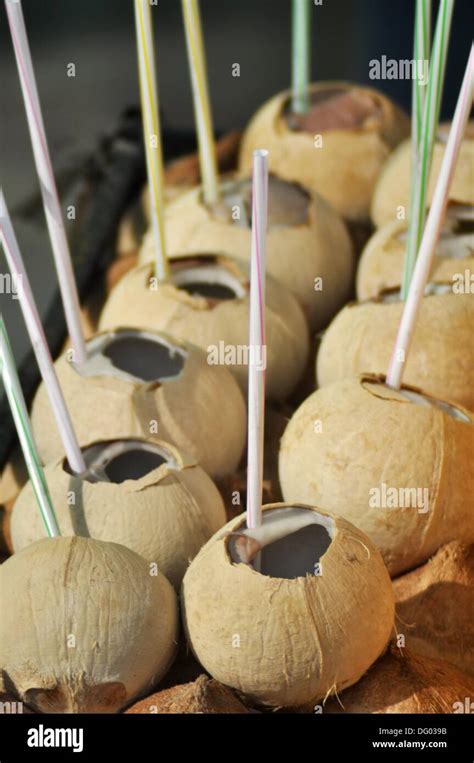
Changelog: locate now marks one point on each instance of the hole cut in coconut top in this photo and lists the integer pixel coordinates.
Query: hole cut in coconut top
(418, 398)
(392, 296)
(120, 460)
(288, 203)
(289, 544)
(342, 107)
(456, 241)
(208, 279)
(133, 355)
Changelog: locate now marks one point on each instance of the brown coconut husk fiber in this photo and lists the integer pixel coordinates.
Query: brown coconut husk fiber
(202, 411)
(370, 436)
(202, 696)
(435, 606)
(345, 168)
(381, 264)
(361, 338)
(165, 516)
(404, 682)
(285, 642)
(85, 627)
(208, 322)
(317, 245)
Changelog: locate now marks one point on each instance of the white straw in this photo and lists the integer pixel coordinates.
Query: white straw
(257, 347)
(432, 230)
(52, 206)
(38, 340)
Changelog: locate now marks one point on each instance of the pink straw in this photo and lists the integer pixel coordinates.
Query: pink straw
(38, 340)
(51, 203)
(257, 347)
(432, 230)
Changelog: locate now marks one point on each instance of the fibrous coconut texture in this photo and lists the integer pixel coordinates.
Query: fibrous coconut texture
(362, 336)
(399, 470)
(85, 627)
(202, 696)
(435, 606)
(391, 197)
(306, 241)
(285, 642)
(381, 264)
(166, 515)
(219, 326)
(338, 150)
(404, 682)
(201, 410)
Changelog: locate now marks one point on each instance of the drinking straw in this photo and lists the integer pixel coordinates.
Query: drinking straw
(424, 154)
(152, 131)
(51, 203)
(432, 230)
(257, 348)
(421, 53)
(17, 403)
(202, 108)
(38, 340)
(301, 56)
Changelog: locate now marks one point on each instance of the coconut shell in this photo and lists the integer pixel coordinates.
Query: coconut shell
(404, 682)
(362, 336)
(85, 627)
(435, 606)
(206, 322)
(295, 254)
(110, 408)
(381, 264)
(165, 516)
(369, 435)
(299, 639)
(345, 168)
(203, 696)
(393, 186)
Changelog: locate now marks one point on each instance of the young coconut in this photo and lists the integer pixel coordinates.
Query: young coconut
(145, 384)
(354, 447)
(434, 606)
(206, 302)
(362, 335)
(157, 503)
(86, 626)
(354, 130)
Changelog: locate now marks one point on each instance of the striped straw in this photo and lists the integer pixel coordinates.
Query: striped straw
(432, 230)
(17, 403)
(51, 203)
(429, 124)
(257, 347)
(38, 340)
(152, 131)
(421, 53)
(301, 56)
(202, 107)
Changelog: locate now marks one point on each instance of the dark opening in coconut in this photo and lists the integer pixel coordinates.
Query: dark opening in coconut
(337, 108)
(455, 241)
(418, 398)
(121, 460)
(391, 296)
(288, 203)
(209, 280)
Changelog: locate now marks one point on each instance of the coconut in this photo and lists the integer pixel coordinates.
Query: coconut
(85, 626)
(357, 128)
(403, 682)
(392, 192)
(395, 464)
(435, 605)
(157, 502)
(147, 385)
(362, 336)
(381, 264)
(284, 636)
(207, 303)
(308, 248)
(202, 696)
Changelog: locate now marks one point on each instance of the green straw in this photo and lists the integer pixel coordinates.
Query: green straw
(429, 124)
(421, 52)
(20, 415)
(301, 56)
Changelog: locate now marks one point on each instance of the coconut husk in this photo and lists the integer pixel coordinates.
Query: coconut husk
(344, 170)
(404, 682)
(206, 322)
(369, 436)
(362, 336)
(85, 627)
(392, 190)
(203, 696)
(435, 606)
